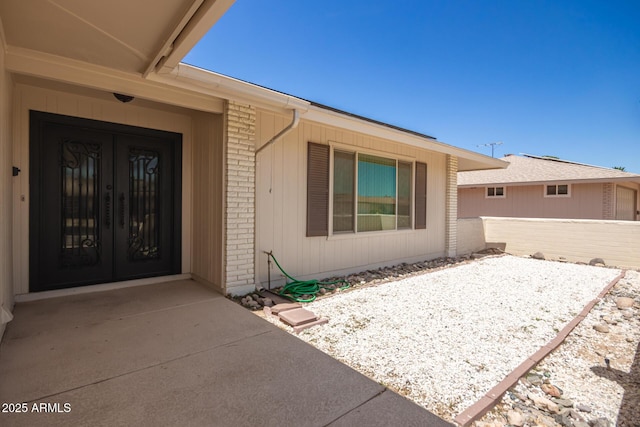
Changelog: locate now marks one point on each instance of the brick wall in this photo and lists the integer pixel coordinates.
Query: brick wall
(239, 215)
(451, 206)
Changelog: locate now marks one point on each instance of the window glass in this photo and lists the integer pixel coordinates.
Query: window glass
(495, 191)
(551, 190)
(343, 191)
(563, 189)
(404, 195)
(376, 193)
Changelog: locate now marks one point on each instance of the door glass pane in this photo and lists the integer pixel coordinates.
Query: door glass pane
(80, 186)
(404, 195)
(144, 204)
(376, 193)
(343, 191)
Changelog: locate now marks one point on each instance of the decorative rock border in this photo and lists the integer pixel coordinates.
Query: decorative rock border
(493, 396)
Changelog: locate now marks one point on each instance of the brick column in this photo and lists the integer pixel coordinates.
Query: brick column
(239, 210)
(451, 207)
(608, 211)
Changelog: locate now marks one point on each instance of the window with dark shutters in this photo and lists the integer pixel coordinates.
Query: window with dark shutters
(421, 196)
(317, 190)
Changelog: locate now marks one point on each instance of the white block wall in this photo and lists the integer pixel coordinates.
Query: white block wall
(470, 236)
(574, 240)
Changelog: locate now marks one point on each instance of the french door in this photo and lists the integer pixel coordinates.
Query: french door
(105, 202)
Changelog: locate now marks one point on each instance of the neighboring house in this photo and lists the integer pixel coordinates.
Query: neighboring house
(546, 187)
(119, 163)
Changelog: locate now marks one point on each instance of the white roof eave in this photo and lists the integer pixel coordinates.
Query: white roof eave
(467, 160)
(188, 76)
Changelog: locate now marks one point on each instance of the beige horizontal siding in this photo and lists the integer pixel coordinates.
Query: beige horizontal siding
(208, 199)
(281, 205)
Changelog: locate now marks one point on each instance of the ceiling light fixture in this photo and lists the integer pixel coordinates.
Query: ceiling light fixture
(123, 98)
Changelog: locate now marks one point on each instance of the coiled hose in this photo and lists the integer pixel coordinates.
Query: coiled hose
(297, 290)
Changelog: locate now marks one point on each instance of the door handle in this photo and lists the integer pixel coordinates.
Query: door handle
(107, 210)
(121, 210)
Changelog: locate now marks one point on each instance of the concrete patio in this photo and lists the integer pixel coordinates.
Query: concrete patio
(178, 353)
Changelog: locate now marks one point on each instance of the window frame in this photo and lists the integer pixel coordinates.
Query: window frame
(545, 189)
(494, 196)
(356, 151)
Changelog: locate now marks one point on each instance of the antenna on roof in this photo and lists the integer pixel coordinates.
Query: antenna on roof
(490, 144)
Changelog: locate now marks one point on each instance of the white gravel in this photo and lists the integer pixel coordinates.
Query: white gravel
(588, 380)
(444, 338)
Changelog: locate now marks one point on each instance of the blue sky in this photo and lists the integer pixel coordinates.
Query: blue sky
(555, 78)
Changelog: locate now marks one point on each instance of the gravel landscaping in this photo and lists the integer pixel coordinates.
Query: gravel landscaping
(597, 370)
(444, 338)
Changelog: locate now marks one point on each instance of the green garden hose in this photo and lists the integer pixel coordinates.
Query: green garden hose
(297, 289)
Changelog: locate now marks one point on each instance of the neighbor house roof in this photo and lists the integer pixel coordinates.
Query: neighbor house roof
(529, 169)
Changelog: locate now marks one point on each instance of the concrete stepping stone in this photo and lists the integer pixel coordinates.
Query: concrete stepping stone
(320, 321)
(297, 316)
(279, 308)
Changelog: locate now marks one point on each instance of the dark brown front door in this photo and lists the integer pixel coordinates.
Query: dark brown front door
(104, 202)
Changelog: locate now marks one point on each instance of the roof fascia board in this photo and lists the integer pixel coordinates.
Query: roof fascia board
(186, 86)
(328, 117)
(209, 12)
(194, 78)
(188, 76)
(168, 44)
(52, 67)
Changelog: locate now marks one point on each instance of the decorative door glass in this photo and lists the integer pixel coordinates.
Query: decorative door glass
(144, 203)
(80, 163)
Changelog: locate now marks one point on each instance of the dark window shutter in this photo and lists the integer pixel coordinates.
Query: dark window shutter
(317, 190)
(421, 195)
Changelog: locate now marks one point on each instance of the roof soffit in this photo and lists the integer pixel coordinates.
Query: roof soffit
(63, 70)
(125, 35)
